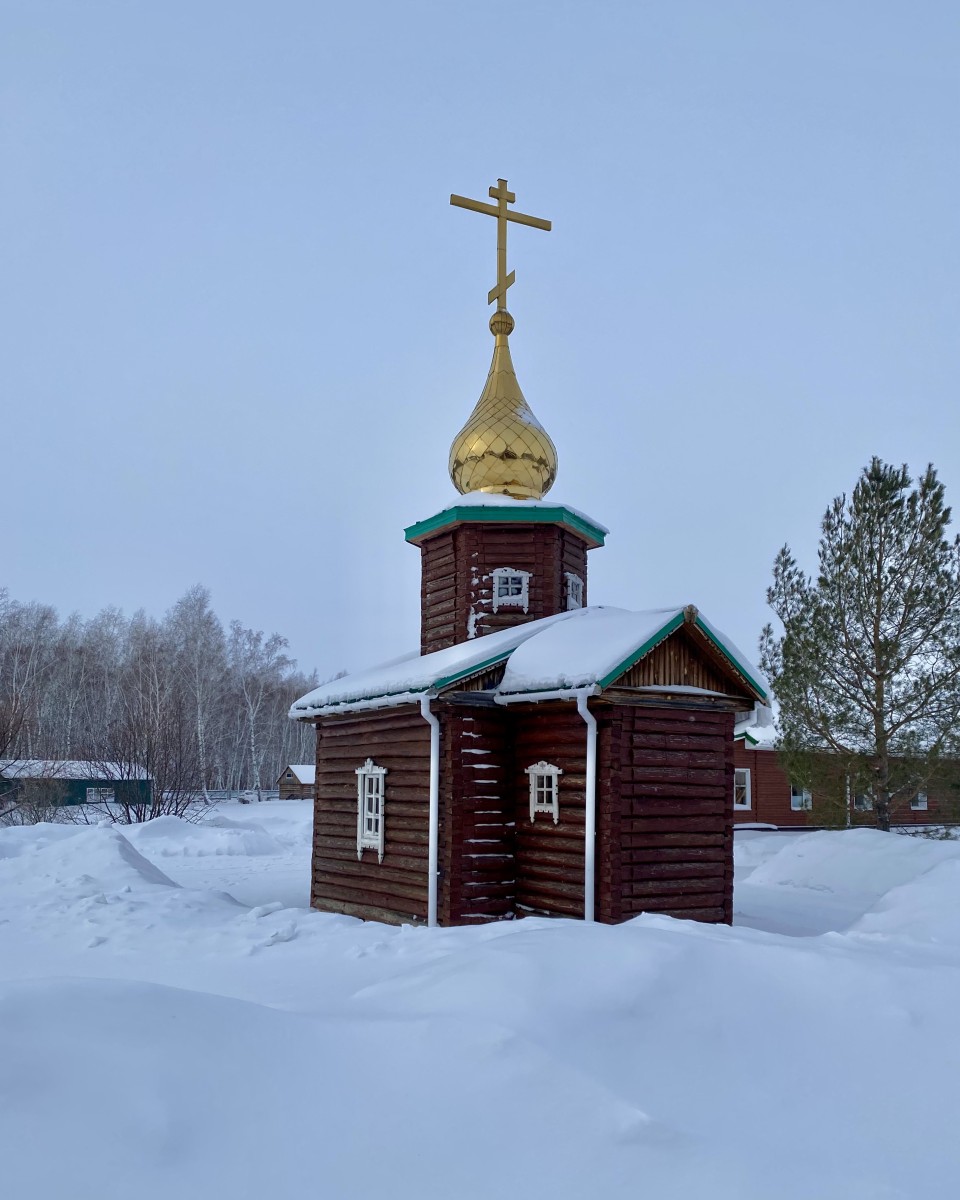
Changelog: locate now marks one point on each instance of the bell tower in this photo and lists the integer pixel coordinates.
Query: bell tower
(502, 554)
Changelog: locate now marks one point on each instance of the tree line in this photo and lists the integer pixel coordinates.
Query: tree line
(199, 707)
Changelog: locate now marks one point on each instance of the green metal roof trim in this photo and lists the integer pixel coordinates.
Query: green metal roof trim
(499, 515)
(758, 688)
(446, 680)
(746, 737)
(648, 645)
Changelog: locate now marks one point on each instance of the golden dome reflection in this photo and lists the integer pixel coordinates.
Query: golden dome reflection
(503, 448)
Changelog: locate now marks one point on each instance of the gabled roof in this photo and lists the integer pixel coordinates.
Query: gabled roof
(586, 647)
(305, 773)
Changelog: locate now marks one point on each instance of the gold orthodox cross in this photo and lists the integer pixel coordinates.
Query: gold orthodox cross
(503, 215)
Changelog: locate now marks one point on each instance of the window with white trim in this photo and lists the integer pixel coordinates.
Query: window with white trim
(574, 590)
(100, 795)
(741, 788)
(801, 799)
(511, 588)
(370, 824)
(544, 790)
(919, 802)
(863, 801)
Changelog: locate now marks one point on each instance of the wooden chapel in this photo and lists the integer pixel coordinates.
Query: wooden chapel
(538, 755)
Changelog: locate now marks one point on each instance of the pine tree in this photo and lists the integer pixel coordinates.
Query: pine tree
(867, 671)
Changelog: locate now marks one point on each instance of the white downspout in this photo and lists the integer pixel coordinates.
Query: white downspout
(434, 836)
(590, 827)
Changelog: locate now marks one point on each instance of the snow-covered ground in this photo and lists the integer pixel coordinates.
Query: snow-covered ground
(175, 1023)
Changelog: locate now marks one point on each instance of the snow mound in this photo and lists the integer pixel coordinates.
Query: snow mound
(926, 909)
(173, 836)
(864, 862)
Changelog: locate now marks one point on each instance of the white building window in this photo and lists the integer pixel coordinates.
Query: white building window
(100, 795)
(919, 802)
(544, 790)
(511, 589)
(370, 808)
(863, 801)
(741, 788)
(801, 800)
(574, 590)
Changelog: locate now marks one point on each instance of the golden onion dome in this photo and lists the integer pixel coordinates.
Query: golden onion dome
(503, 448)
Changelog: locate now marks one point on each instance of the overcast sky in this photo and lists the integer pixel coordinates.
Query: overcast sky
(240, 322)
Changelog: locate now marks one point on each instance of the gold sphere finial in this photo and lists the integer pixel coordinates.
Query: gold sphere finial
(503, 448)
(502, 323)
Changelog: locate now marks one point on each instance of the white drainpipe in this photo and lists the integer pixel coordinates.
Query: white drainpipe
(590, 797)
(434, 836)
(590, 827)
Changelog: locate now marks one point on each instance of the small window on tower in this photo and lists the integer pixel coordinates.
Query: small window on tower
(511, 589)
(574, 590)
(544, 790)
(370, 828)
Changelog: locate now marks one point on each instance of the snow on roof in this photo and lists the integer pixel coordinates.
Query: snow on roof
(580, 648)
(758, 729)
(584, 652)
(36, 768)
(493, 500)
(407, 678)
(304, 772)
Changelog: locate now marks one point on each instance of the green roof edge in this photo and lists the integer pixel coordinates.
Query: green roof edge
(747, 738)
(494, 513)
(761, 691)
(648, 645)
(446, 680)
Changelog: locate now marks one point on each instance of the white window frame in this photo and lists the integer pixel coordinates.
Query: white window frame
(801, 798)
(574, 590)
(100, 795)
(370, 787)
(863, 802)
(511, 577)
(919, 802)
(745, 781)
(544, 790)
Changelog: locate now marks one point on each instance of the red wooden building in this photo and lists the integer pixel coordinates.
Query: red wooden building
(537, 755)
(764, 793)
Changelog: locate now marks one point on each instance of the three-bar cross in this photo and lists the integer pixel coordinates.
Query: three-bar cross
(503, 215)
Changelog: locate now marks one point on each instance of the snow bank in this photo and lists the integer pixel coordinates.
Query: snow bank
(194, 1048)
(172, 836)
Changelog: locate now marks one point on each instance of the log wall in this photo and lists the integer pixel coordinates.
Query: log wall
(550, 865)
(667, 803)
(396, 889)
(456, 600)
(477, 860)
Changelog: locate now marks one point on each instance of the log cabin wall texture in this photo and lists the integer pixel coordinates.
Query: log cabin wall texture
(673, 817)
(476, 853)
(456, 578)
(550, 866)
(396, 889)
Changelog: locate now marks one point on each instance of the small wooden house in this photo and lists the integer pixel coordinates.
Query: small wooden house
(296, 781)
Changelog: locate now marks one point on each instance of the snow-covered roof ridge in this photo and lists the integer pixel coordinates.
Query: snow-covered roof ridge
(38, 768)
(404, 679)
(305, 773)
(581, 648)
